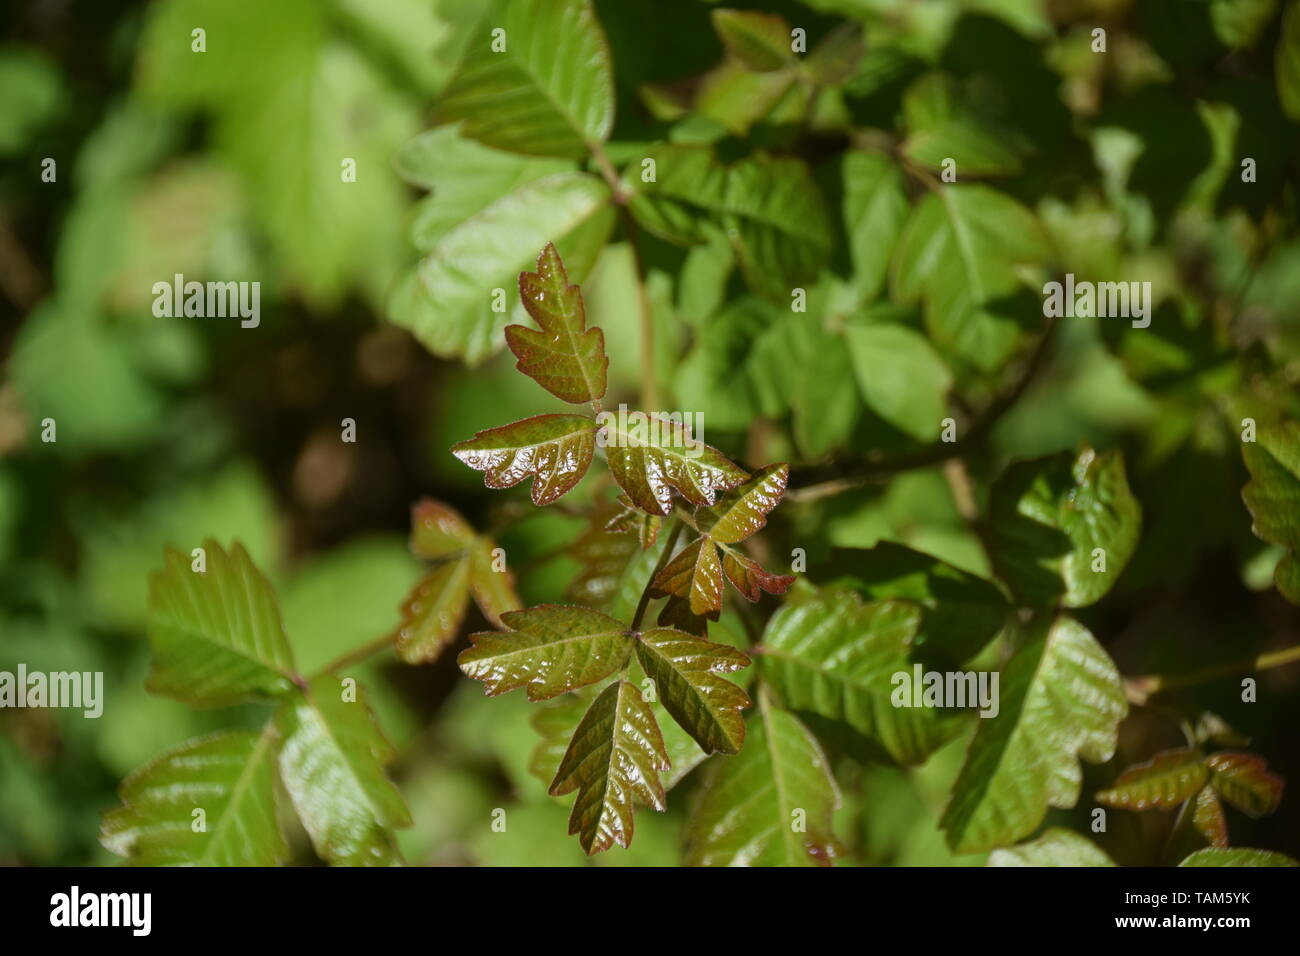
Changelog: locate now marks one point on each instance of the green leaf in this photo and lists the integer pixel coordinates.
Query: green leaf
(1048, 517)
(759, 40)
(230, 777)
(771, 804)
(216, 635)
(1244, 781)
(551, 649)
(494, 591)
(615, 757)
(432, 614)
(1061, 699)
(875, 208)
(652, 457)
(1238, 856)
(900, 377)
(942, 125)
(1288, 62)
(962, 612)
(1056, 847)
(1238, 23)
(685, 671)
(332, 763)
(565, 357)
(447, 302)
(1163, 782)
(958, 252)
(742, 511)
(770, 207)
(550, 92)
(555, 449)
(1273, 494)
(1208, 819)
(832, 660)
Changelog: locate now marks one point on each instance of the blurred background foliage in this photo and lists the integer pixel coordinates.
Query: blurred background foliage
(227, 165)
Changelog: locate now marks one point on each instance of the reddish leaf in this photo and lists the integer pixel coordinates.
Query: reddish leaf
(431, 615)
(749, 577)
(555, 449)
(743, 510)
(494, 590)
(1163, 782)
(633, 520)
(565, 357)
(553, 648)
(1207, 817)
(438, 530)
(694, 573)
(652, 457)
(1244, 781)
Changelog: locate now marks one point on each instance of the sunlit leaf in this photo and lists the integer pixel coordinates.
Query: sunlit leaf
(565, 357)
(742, 512)
(1056, 847)
(749, 577)
(1061, 700)
(1163, 782)
(1238, 856)
(1244, 781)
(771, 804)
(900, 376)
(615, 757)
(229, 778)
(549, 92)
(550, 649)
(216, 634)
(686, 674)
(555, 450)
(652, 458)
(332, 762)
(696, 574)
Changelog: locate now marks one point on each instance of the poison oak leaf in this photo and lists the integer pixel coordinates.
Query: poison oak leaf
(695, 574)
(615, 758)
(551, 649)
(493, 589)
(432, 614)
(655, 458)
(602, 555)
(632, 519)
(1273, 493)
(749, 577)
(1163, 782)
(1237, 856)
(676, 613)
(438, 531)
(1244, 781)
(759, 40)
(685, 670)
(1208, 819)
(1056, 847)
(555, 449)
(742, 512)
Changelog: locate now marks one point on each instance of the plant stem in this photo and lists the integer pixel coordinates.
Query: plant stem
(1141, 689)
(659, 566)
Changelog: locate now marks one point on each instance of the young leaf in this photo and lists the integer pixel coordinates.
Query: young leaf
(1244, 781)
(832, 660)
(230, 777)
(551, 649)
(652, 460)
(1163, 782)
(216, 634)
(742, 512)
(493, 589)
(685, 671)
(1063, 528)
(694, 573)
(565, 357)
(632, 519)
(545, 89)
(432, 614)
(1056, 847)
(438, 531)
(771, 804)
(1061, 699)
(759, 40)
(1273, 494)
(332, 763)
(615, 757)
(1238, 856)
(749, 577)
(1208, 819)
(555, 449)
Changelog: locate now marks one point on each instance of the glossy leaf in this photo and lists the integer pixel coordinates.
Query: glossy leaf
(230, 777)
(332, 762)
(550, 92)
(1163, 782)
(653, 458)
(694, 573)
(749, 577)
(1048, 517)
(742, 512)
(759, 40)
(1208, 819)
(550, 649)
(771, 804)
(565, 357)
(1237, 856)
(686, 674)
(432, 613)
(555, 450)
(1056, 847)
(216, 635)
(1061, 700)
(615, 757)
(1244, 781)
(1273, 494)
(832, 660)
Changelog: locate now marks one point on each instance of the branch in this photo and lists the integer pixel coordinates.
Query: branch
(1140, 689)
